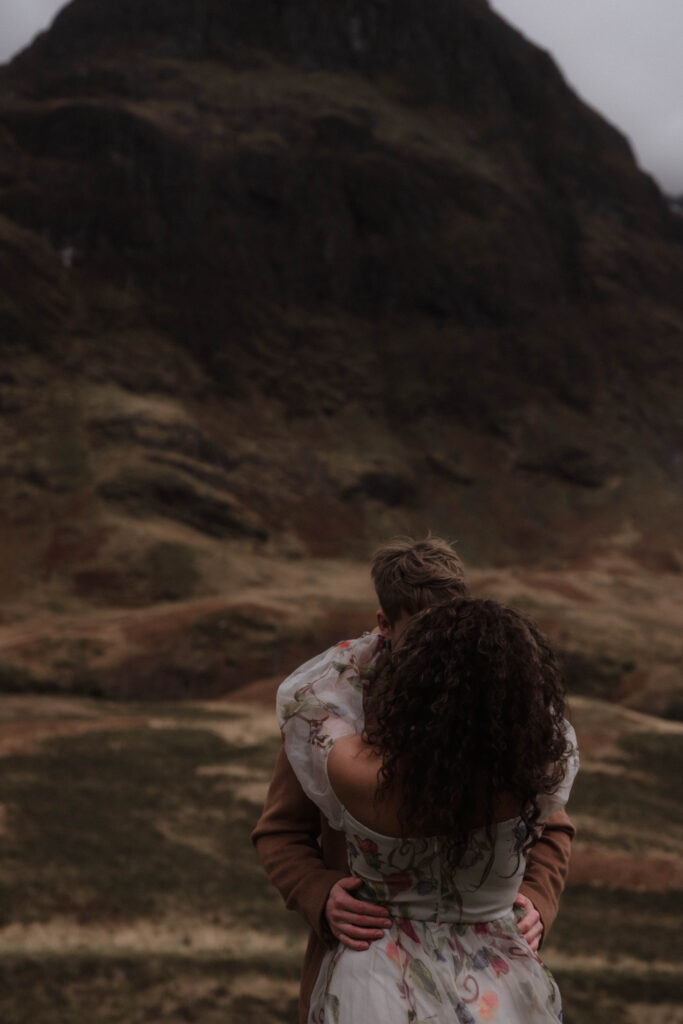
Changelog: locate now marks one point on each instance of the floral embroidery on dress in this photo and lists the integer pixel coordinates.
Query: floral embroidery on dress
(488, 1007)
(314, 707)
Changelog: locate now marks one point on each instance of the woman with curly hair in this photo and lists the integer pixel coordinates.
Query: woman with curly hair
(465, 755)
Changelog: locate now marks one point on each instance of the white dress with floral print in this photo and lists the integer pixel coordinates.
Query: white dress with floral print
(453, 954)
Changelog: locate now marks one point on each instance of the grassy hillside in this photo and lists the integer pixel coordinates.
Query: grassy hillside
(130, 892)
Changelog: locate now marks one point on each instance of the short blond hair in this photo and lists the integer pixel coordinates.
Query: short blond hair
(411, 575)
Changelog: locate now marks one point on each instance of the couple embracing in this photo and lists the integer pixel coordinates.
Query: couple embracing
(416, 814)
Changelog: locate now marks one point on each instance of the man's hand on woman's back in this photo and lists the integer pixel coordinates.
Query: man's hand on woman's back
(354, 922)
(357, 923)
(531, 925)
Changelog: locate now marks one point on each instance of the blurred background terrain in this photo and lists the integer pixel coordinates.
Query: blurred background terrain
(277, 282)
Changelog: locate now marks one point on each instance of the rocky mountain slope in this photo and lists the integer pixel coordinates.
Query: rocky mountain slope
(278, 280)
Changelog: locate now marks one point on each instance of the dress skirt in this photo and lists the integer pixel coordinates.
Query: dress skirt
(425, 972)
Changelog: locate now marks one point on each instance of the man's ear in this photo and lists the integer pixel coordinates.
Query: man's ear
(383, 624)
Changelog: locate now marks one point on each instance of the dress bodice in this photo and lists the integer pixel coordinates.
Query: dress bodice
(406, 875)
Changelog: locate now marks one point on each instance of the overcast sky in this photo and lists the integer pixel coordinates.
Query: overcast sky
(623, 56)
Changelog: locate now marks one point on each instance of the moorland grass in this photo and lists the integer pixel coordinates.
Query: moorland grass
(143, 990)
(100, 833)
(605, 996)
(610, 923)
(639, 809)
(601, 921)
(642, 801)
(90, 823)
(119, 826)
(659, 755)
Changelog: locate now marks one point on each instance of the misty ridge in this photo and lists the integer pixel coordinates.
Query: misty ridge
(280, 281)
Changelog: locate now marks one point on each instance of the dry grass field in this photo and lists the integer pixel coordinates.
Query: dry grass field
(129, 891)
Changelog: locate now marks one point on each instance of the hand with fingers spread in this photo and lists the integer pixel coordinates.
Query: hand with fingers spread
(354, 922)
(531, 925)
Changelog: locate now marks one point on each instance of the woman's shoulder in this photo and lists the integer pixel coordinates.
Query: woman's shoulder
(352, 767)
(353, 770)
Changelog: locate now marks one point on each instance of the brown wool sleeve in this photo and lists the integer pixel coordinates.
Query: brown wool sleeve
(286, 838)
(547, 867)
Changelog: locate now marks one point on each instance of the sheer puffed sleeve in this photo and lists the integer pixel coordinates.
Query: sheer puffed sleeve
(549, 803)
(317, 704)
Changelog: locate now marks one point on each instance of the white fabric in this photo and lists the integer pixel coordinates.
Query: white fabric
(550, 803)
(316, 705)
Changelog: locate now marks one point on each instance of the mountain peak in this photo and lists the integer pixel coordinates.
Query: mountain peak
(387, 234)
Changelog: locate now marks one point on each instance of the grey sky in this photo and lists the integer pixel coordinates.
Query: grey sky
(21, 20)
(622, 56)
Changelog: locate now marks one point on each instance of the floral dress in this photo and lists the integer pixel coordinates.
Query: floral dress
(453, 952)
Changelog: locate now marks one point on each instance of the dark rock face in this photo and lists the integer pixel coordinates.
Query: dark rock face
(168, 494)
(388, 488)
(149, 433)
(574, 465)
(335, 234)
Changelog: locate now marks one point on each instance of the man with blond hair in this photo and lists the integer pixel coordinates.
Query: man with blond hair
(412, 575)
(306, 859)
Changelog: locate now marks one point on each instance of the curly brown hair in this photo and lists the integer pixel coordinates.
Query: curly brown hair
(469, 709)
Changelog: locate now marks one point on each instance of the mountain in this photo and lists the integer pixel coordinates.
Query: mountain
(280, 279)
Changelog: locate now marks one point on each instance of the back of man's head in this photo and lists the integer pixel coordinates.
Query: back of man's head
(412, 575)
